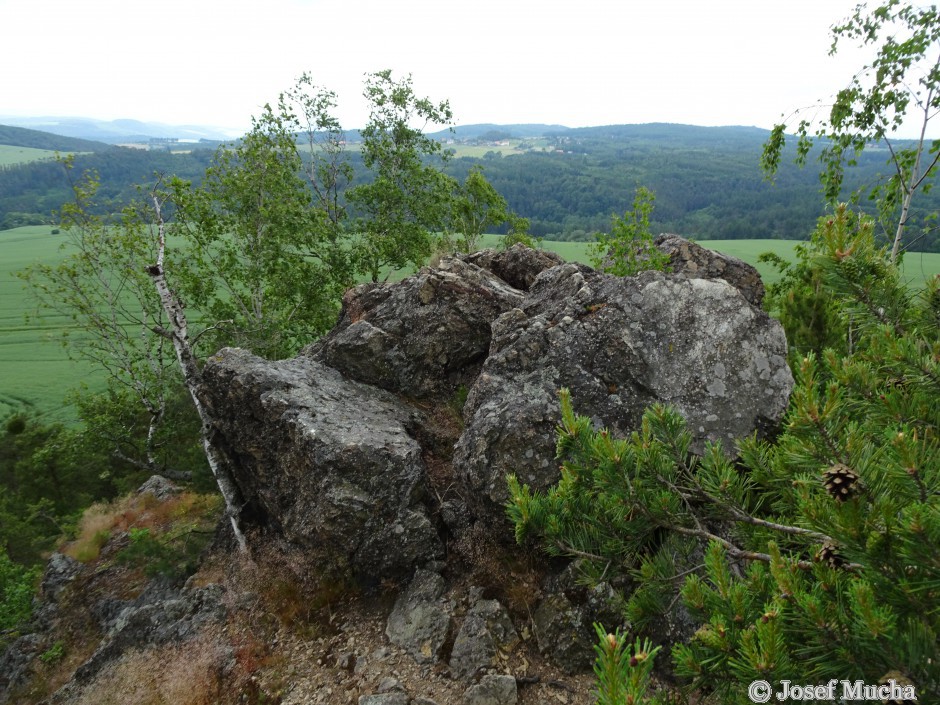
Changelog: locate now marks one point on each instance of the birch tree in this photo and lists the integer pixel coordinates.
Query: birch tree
(900, 87)
(409, 196)
(176, 331)
(101, 288)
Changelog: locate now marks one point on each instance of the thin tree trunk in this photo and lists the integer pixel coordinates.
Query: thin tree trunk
(905, 209)
(192, 377)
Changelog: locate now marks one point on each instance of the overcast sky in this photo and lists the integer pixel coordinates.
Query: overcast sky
(589, 62)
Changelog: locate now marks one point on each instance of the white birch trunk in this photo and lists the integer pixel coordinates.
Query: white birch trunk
(179, 336)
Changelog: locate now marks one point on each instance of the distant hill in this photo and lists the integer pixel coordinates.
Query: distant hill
(36, 139)
(473, 132)
(118, 131)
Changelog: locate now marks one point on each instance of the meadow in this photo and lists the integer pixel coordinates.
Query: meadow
(10, 155)
(36, 371)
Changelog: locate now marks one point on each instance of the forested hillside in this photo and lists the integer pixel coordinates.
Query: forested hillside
(707, 183)
(37, 139)
(31, 193)
(568, 182)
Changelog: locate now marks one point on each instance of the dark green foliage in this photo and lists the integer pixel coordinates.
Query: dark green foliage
(33, 192)
(115, 423)
(17, 586)
(24, 137)
(798, 581)
(174, 555)
(477, 208)
(48, 474)
(706, 181)
(519, 233)
(813, 319)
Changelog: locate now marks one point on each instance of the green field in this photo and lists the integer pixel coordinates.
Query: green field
(35, 370)
(10, 155)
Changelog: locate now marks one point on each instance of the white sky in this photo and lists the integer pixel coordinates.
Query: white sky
(592, 62)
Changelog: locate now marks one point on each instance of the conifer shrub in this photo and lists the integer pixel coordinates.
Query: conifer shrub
(820, 551)
(623, 670)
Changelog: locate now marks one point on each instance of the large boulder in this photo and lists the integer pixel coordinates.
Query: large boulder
(696, 262)
(420, 337)
(619, 344)
(327, 461)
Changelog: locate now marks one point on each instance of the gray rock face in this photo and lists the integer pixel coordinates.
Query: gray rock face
(16, 661)
(420, 620)
(486, 631)
(619, 344)
(154, 623)
(326, 460)
(492, 690)
(159, 487)
(563, 627)
(696, 262)
(518, 266)
(60, 571)
(419, 337)
(564, 633)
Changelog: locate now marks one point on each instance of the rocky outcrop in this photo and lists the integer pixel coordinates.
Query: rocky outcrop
(420, 337)
(326, 461)
(324, 455)
(152, 622)
(518, 266)
(332, 451)
(696, 262)
(335, 456)
(619, 345)
(492, 690)
(159, 486)
(17, 658)
(564, 627)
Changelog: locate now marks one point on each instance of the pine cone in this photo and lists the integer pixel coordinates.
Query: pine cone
(828, 553)
(901, 680)
(841, 482)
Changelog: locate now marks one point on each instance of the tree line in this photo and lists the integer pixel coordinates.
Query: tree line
(708, 183)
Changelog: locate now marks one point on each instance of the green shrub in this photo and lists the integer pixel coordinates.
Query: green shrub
(519, 233)
(53, 654)
(822, 549)
(629, 249)
(174, 554)
(17, 587)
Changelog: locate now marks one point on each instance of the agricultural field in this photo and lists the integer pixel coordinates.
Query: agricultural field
(35, 369)
(10, 155)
